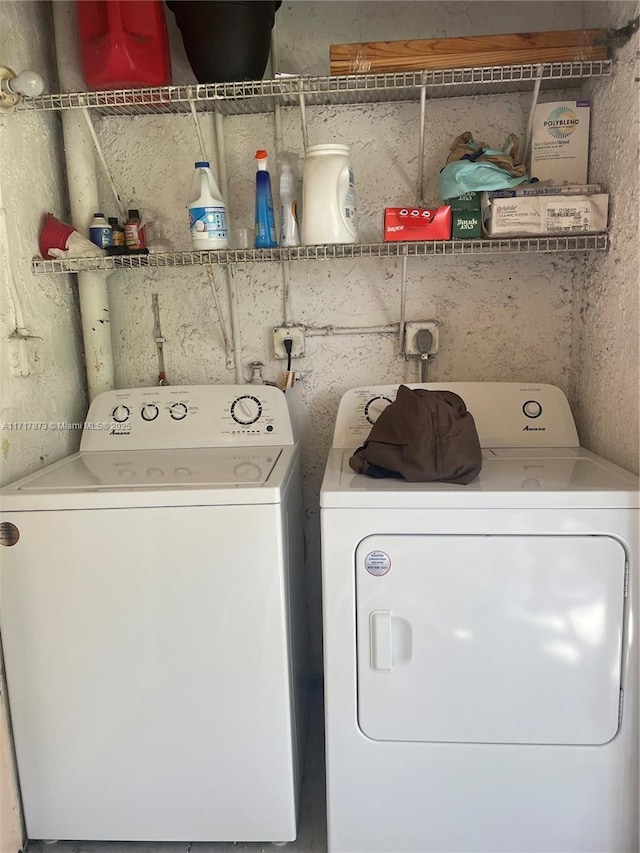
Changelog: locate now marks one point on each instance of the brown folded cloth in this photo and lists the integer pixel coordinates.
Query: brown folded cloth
(422, 436)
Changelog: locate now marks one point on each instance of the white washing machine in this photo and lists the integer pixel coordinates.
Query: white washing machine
(151, 614)
(481, 641)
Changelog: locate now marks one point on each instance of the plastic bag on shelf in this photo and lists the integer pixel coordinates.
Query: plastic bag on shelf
(475, 167)
(58, 240)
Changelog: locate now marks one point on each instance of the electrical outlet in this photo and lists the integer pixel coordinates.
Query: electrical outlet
(295, 334)
(412, 329)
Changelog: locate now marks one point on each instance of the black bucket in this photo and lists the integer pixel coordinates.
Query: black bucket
(226, 41)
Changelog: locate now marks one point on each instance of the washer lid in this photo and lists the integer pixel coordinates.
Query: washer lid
(139, 477)
(525, 477)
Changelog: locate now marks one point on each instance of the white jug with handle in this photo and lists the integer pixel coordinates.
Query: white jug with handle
(328, 196)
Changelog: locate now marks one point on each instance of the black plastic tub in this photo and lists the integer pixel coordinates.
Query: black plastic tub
(228, 40)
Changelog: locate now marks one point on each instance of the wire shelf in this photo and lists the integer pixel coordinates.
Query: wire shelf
(163, 260)
(261, 96)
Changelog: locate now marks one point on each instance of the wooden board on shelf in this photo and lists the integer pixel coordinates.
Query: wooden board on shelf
(468, 52)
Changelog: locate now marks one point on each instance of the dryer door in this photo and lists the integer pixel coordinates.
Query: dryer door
(494, 639)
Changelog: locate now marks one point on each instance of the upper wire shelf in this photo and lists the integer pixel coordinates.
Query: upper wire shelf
(494, 246)
(261, 96)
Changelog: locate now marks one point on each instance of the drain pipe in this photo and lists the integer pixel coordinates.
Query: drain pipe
(84, 201)
(285, 267)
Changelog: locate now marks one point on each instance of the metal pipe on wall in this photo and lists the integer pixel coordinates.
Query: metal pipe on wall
(403, 304)
(325, 331)
(12, 291)
(84, 201)
(228, 348)
(278, 143)
(231, 285)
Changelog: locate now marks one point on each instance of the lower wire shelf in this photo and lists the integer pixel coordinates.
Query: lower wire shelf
(339, 251)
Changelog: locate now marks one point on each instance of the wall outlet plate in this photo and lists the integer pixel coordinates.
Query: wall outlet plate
(412, 329)
(295, 334)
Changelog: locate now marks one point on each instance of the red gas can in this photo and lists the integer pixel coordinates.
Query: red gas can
(124, 43)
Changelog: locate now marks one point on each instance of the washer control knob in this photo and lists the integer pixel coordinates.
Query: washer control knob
(246, 410)
(120, 414)
(530, 483)
(149, 412)
(178, 411)
(248, 471)
(374, 408)
(532, 409)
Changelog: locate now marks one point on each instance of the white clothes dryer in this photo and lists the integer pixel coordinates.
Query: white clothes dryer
(481, 641)
(151, 613)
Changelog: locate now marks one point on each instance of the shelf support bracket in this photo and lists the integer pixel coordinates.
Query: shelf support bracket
(403, 300)
(532, 109)
(303, 116)
(423, 117)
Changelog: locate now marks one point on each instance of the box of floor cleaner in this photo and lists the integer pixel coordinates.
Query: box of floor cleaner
(560, 142)
(542, 189)
(546, 214)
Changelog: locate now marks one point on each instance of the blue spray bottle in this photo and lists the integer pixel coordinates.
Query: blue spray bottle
(265, 222)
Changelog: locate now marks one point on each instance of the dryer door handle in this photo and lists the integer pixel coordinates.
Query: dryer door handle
(380, 640)
(390, 640)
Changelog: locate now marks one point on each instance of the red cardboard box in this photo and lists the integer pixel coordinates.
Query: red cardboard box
(406, 223)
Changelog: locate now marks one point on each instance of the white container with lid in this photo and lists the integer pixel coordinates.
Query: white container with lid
(207, 211)
(328, 196)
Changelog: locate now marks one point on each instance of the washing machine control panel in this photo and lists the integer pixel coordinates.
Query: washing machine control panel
(246, 409)
(375, 405)
(170, 416)
(506, 414)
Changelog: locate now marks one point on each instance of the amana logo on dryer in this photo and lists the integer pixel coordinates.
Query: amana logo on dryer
(528, 428)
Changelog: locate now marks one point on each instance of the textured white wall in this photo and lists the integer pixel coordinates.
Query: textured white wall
(605, 378)
(31, 183)
(501, 318)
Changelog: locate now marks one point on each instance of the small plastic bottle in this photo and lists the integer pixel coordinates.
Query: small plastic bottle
(265, 237)
(133, 231)
(207, 211)
(117, 232)
(100, 231)
(289, 229)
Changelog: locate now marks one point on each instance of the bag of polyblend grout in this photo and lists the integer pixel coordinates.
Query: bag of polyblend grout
(423, 436)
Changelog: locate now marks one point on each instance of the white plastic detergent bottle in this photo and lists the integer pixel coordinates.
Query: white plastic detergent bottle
(328, 196)
(207, 211)
(289, 229)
